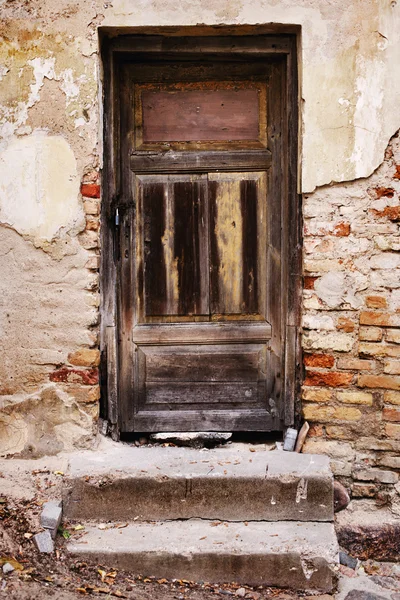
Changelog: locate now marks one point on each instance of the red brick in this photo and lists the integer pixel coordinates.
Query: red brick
(379, 318)
(384, 192)
(345, 324)
(319, 360)
(92, 223)
(316, 430)
(309, 282)
(391, 212)
(391, 414)
(90, 190)
(387, 382)
(376, 302)
(341, 230)
(392, 430)
(329, 379)
(67, 375)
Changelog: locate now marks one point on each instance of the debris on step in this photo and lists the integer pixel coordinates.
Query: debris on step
(193, 439)
(341, 498)
(51, 516)
(348, 561)
(44, 542)
(7, 568)
(363, 595)
(289, 440)
(301, 438)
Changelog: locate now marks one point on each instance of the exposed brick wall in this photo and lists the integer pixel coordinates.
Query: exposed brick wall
(351, 328)
(79, 376)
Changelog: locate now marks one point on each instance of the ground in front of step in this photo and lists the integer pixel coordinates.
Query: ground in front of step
(60, 577)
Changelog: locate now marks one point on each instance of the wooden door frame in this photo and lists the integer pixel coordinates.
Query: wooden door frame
(256, 43)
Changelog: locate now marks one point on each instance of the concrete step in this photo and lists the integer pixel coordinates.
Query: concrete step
(286, 554)
(231, 483)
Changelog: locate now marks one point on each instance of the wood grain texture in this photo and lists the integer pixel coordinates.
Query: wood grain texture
(199, 162)
(264, 291)
(238, 243)
(233, 362)
(200, 115)
(202, 333)
(246, 419)
(173, 245)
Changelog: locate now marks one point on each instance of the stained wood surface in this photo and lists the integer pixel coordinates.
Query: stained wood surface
(238, 243)
(243, 183)
(183, 115)
(202, 333)
(204, 162)
(174, 244)
(204, 364)
(200, 114)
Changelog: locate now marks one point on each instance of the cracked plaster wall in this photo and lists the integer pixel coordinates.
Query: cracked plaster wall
(50, 144)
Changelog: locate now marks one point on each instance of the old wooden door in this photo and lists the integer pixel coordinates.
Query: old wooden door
(200, 214)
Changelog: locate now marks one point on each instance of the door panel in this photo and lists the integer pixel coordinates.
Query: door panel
(238, 245)
(217, 377)
(196, 248)
(173, 245)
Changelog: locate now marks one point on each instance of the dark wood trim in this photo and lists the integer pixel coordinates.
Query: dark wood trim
(114, 241)
(203, 333)
(215, 160)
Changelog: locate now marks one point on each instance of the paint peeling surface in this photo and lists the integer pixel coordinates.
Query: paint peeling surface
(39, 187)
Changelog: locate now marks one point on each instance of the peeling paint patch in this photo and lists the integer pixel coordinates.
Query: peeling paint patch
(39, 187)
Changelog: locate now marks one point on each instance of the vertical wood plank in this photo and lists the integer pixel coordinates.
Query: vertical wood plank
(191, 246)
(153, 199)
(112, 381)
(226, 243)
(238, 243)
(250, 281)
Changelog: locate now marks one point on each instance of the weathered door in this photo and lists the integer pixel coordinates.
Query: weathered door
(201, 302)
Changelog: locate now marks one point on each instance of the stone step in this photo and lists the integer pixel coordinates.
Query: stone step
(231, 483)
(286, 554)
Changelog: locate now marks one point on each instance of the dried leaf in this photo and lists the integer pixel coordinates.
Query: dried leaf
(252, 449)
(102, 590)
(119, 594)
(28, 536)
(79, 527)
(102, 574)
(14, 563)
(162, 581)
(81, 590)
(204, 537)
(58, 473)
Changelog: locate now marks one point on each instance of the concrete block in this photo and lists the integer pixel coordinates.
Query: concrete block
(286, 554)
(44, 542)
(230, 483)
(51, 516)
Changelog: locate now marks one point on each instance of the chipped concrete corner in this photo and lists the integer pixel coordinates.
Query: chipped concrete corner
(50, 162)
